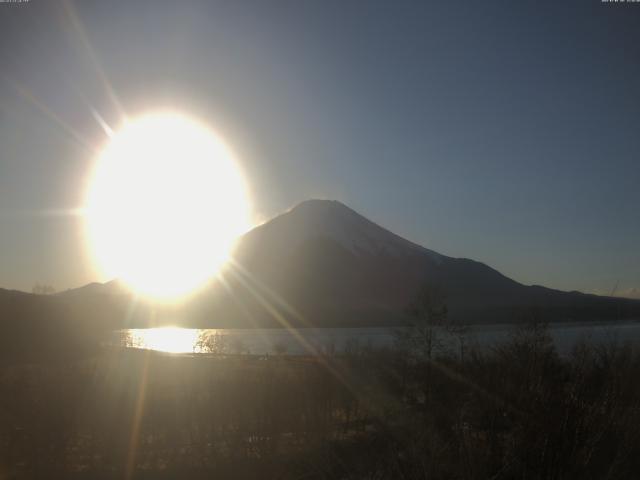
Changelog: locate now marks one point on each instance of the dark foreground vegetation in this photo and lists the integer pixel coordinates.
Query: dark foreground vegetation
(516, 411)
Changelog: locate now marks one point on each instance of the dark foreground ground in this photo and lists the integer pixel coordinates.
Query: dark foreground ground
(517, 411)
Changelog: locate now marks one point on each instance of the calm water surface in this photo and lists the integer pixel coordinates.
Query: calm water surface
(338, 340)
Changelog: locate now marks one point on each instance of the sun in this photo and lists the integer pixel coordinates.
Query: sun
(165, 203)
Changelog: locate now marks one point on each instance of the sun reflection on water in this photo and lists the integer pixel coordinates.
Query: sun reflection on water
(165, 339)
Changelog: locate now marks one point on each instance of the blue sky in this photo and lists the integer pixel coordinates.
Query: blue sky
(506, 132)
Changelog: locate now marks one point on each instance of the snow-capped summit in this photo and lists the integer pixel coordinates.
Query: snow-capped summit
(334, 220)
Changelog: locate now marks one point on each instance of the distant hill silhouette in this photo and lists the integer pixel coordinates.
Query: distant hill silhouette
(323, 264)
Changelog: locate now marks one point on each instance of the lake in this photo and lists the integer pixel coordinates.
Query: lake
(338, 340)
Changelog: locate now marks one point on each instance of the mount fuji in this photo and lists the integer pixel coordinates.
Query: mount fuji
(336, 267)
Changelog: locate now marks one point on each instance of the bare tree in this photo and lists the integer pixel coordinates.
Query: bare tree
(459, 331)
(424, 336)
(430, 318)
(42, 289)
(212, 343)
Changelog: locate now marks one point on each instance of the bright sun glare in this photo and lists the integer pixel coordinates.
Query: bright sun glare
(165, 204)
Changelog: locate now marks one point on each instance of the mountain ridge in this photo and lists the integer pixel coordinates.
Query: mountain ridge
(323, 264)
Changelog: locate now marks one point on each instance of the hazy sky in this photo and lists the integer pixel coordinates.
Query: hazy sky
(506, 132)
